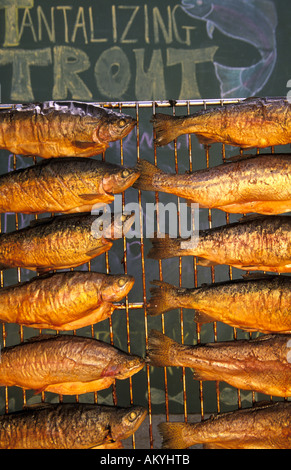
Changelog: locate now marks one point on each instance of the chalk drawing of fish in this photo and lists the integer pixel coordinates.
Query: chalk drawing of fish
(158, 397)
(228, 396)
(251, 21)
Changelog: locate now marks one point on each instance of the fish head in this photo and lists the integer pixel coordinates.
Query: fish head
(112, 227)
(115, 287)
(126, 421)
(114, 127)
(129, 366)
(197, 8)
(122, 365)
(119, 179)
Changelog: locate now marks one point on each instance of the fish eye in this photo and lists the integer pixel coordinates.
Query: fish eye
(121, 282)
(121, 122)
(125, 173)
(132, 416)
(101, 226)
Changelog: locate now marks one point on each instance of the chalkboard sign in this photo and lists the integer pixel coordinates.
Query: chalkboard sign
(108, 51)
(132, 55)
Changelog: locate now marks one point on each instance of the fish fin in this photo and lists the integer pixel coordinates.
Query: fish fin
(263, 404)
(160, 349)
(230, 79)
(203, 375)
(210, 27)
(257, 276)
(250, 217)
(147, 172)
(97, 315)
(50, 219)
(37, 406)
(99, 250)
(163, 298)
(165, 247)
(205, 262)
(201, 317)
(82, 145)
(42, 337)
(109, 444)
(92, 197)
(239, 158)
(204, 140)
(251, 267)
(165, 128)
(43, 269)
(40, 390)
(41, 221)
(77, 388)
(174, 436)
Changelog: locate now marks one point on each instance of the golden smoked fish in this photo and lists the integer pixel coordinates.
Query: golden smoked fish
(61, 129)
(260, 364)
(66, 364)
(260, 184)
(62, 242)
(69, 426)
(253, 304)
(253, 122)
(63, 300)
(264, 426)
(63, 185)
(253, 243)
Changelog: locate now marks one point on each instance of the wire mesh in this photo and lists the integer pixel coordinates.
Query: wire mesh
(166, 393)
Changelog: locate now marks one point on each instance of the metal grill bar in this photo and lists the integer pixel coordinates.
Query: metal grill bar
(140, 110)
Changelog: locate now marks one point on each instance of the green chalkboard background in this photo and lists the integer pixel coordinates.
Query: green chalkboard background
(128, 51)
(105, 50)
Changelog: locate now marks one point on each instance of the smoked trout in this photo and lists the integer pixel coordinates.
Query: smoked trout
(253, 304)
(264, 426)
(61, 129)
(69, 426)
(66, 364)
(63, 241)
(253, 243)
(63, 300)
(259, 364)
(251, 123)
(63, 185)
(260, 184)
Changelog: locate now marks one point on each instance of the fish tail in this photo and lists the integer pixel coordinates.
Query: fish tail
(165, 247)
(166, 128)
(147, 172)
(163, 299)
(176, 435)
(160, 350)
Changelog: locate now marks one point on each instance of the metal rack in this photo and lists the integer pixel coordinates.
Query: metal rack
(183, 154)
